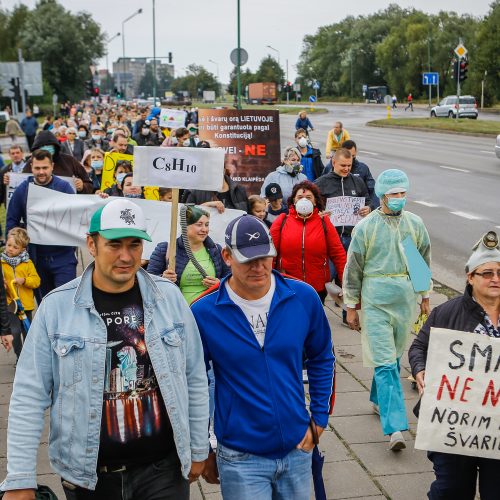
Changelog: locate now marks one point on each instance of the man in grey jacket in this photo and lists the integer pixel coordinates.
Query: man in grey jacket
(117, 357)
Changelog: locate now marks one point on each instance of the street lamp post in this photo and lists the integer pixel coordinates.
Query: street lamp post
(275, 50)
(154, 56)
(238, 68)
(123, 48)
(108, 41)
(217, 69)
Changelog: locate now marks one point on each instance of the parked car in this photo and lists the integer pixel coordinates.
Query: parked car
(497, 146)
(448, 107)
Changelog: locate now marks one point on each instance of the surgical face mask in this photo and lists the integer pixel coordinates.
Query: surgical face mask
(96, 137)
(120, 177)
(96, 164)
(302, 142)
(304, 207)
(110, 131)
(186, 143)
(51, 149)
(192, 132)
(145, 131)
(396, 204)
(174, 141)
(132, 195)
(82, 134)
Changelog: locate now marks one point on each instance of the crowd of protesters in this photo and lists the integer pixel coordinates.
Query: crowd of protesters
(122, 361)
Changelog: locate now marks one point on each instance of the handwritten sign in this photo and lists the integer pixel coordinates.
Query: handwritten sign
(460, 408)
(345, 209)
(108, 170)
(63, 219)
(172, 118)
(183, 168)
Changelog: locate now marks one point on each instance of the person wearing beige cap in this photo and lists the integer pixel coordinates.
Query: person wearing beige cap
(476, 311)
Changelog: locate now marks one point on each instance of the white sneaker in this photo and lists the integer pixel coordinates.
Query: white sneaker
(397, 441)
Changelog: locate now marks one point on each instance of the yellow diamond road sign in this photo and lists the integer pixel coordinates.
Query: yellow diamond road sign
(460, 50)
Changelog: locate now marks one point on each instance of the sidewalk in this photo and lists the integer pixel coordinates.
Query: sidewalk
(358, 463)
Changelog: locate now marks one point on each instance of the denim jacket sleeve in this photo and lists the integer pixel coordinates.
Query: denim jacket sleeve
(31, 396)
(197, 388)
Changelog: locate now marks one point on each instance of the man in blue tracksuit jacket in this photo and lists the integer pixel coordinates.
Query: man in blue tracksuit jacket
(255, 327)
(56, 265)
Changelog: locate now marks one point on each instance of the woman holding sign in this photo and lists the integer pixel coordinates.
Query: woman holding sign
(476, 311)
(305, 240)
(201, 247)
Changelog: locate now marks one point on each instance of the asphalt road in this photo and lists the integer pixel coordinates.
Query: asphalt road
(455, 179)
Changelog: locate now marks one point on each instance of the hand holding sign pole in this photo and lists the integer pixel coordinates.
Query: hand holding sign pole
(178, 168)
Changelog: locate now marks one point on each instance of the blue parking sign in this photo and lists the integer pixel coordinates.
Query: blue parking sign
(312, 98)
(430, 78)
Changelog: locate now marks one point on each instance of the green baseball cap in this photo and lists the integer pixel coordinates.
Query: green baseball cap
(119, 219)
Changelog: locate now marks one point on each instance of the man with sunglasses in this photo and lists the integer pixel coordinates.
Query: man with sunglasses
(476, 311)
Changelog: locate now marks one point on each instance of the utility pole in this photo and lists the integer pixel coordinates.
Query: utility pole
(238, 69)
(287, 86)
(429, 68)
(21, 81)
(154, 56)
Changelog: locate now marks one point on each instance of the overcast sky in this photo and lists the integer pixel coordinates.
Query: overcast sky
(196, 31)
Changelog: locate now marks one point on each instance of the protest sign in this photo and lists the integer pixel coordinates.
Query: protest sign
(459, 412)
(250, 138)
(17, 178)
(345, 209)
(172, 118)
(63, 219)
(181, 168)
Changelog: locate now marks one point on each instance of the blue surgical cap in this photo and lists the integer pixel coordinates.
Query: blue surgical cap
(391, 181)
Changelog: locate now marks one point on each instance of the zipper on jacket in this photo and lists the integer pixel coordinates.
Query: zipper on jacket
(303, 251)
(343, 194)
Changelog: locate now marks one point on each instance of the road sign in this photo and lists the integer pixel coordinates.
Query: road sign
(243, 56)
(365, 88)
(312, 98)
(296, 87)
(430, 78)
(460, 50)
(316, 85)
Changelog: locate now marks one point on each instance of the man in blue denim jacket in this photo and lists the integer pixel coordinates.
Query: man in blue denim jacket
(117, 358)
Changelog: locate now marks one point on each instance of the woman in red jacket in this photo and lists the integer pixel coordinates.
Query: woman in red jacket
(305, 240)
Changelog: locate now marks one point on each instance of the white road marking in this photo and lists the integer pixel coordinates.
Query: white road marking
(427, 204)
(413, 142)
(467, 216)
(368, 153)
(455, 168)
(487, 152)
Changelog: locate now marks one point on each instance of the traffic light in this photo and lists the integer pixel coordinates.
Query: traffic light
(89, 88)
(454, 72)
(15, 89)
(170, 58)
(95, 92)
(464, 63)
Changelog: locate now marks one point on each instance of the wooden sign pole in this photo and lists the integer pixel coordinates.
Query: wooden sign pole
(172, 246)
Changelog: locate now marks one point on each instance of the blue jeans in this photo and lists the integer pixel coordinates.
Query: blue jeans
(249, 477)
(387, 393)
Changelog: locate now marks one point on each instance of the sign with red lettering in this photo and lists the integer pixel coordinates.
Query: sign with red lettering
(460, 408)
(250, 139)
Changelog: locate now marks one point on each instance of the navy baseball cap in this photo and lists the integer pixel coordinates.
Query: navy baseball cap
(273, 191)
(248, 239)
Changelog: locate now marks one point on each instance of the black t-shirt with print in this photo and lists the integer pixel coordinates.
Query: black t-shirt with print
(135, 427)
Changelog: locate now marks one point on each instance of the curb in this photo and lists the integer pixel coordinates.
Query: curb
(438, 131)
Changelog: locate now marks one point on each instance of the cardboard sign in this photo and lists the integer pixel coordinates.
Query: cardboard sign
(108, 169)
(181, 168)
(172, 118)
(460, 408)
(345, 209)
(16, 179)
(250, 138)
(63, 219)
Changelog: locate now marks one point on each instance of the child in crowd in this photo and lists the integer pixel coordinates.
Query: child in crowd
(276, 206)
(19, 270)
(258, 207)
(165, 194)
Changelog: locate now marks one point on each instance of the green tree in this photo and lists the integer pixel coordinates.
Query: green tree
(246, 76)
(196, 81)
(11, 24)
(66, 43)
(270, 71)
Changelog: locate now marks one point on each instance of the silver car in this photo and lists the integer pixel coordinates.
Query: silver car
(448, 107)
(497, 146)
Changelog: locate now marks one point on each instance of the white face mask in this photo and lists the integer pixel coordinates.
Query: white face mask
(302, 142)
(186, 143)
(304, 207)
(145, 131)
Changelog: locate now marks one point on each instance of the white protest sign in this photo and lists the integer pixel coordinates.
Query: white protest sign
(172, 118)
(63, 219)
(460, 408)
(345, 209)
(182, 168)
(17, 178)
